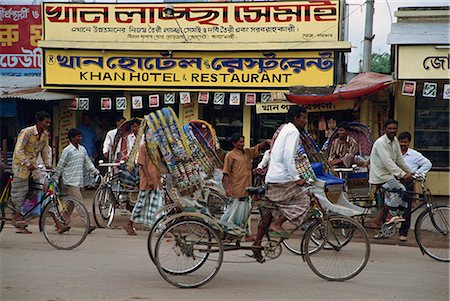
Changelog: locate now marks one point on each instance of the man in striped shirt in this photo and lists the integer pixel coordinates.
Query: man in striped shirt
(343, 149)
(74, 159)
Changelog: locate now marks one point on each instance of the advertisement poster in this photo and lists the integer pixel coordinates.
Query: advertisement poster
(203, 97)
(73, 104)
(136, 102)
(83, 104)
(169, 98)
(409, 88)
(429, 90)
(153, 101)
(250, 99)
(235, 99)
(121, 103)
(446, 91)
(185, 97)
(219, 99)
(105, 103)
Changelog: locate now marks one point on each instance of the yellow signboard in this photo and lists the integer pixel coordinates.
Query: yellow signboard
(423, 62)
(195, 71)
(283, 107)
(247, 22)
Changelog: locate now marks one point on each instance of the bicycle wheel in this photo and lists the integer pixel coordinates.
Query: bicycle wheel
(432, 232)
(216, 204)
(65, 222)
(153, 234)
(347, 248)
(103, 207)
(188, 253)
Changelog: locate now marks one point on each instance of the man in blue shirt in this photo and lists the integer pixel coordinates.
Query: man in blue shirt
(417, 164)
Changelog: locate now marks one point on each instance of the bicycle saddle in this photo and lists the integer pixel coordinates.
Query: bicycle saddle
(256, 190)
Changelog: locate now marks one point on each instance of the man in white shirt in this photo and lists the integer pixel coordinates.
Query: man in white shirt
(74, 160)
(284, 183)
(417, 163)
(109, 140)
(386, 167)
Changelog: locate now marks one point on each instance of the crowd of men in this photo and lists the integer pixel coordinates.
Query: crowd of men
(391, 166)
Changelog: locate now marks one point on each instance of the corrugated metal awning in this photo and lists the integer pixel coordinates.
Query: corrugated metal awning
(37, 93)
(419, 34)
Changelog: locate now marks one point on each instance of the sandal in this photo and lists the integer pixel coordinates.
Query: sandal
(63, 229)
(257, 255)
(23, 230)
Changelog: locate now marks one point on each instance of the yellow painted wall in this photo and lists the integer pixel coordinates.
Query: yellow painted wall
(404, 111)
(438, 182)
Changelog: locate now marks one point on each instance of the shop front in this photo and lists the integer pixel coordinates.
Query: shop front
(215, 61)
(423, 89)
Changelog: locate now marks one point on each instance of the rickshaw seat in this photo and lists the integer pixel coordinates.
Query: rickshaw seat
(327, 178)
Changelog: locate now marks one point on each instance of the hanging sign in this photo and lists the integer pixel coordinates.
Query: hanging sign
(121, 103)
(219, 99)
(136, 102)
(83, 104)
(235, 99)
(73, 104)
(169, 98)
(185, 97)
(105, 103)
(203, 97)
(250, 99)
(153, 101)
(429, 90)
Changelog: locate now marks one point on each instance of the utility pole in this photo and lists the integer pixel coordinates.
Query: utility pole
(368, 36)
(340, 60)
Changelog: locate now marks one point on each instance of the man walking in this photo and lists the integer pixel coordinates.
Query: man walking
(31, 142)
(74, 159)
(386, 167)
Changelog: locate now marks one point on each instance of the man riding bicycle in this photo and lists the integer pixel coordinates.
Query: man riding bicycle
(31, 142)
(284, 182)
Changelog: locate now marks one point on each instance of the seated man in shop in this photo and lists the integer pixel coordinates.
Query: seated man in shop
(343, 149)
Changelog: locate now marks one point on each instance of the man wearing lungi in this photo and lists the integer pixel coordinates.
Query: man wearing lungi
(284, 183)
(31, 142)
(237, 175)
(387, 166)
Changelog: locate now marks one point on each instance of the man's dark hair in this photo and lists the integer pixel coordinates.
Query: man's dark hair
(119, 118)
(404, 135)
(390, 121)
(134, 121)
(236, 137)
(344, 125)
(72, 133)
(41, 115)
(295, 111)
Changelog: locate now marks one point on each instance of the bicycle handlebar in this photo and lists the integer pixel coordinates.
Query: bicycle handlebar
(112, 164)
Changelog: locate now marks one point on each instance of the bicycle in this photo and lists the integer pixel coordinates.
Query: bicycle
(433, 222)
(189, 252)
(63, 220)
(111, 194)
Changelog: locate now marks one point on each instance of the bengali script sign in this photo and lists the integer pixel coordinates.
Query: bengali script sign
(425, 62)
(196, 70)
(283, 107)
(20, 31)
(293, 21)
